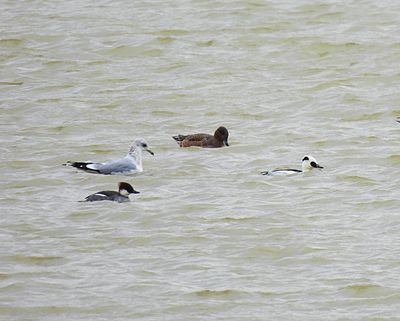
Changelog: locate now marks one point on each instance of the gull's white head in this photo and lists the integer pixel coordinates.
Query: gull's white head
(309, 163)
(140, 144)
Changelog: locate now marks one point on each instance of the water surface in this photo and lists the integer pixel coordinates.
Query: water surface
(208, 238)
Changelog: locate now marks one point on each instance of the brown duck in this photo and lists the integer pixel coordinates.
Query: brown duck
(219, 139)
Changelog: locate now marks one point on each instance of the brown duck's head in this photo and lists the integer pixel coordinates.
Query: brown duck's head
(222, 135)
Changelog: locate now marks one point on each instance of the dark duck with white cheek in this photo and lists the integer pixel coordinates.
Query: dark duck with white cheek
(124, 190)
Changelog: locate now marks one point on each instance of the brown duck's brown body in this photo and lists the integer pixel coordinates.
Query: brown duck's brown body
(219, 139)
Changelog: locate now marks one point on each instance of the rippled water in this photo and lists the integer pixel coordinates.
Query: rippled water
(208, 238)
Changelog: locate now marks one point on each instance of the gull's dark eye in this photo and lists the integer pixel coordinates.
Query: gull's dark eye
(144, 145)
(305, 158)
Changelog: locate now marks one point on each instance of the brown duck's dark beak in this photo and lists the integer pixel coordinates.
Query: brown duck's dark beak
(135, 192)
(226, 142)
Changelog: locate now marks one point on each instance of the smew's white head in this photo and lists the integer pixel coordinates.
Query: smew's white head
(309, 163)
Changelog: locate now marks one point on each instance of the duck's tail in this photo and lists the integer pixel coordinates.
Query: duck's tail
(179, 138)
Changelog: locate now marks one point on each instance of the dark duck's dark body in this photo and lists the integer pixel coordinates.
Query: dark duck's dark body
(121, 196)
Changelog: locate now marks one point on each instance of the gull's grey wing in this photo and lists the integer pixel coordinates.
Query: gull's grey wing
(119, 166)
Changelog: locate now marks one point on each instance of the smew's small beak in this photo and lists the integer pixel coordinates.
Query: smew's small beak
(315, 165)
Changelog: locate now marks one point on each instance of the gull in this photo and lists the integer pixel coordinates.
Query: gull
(130, 164)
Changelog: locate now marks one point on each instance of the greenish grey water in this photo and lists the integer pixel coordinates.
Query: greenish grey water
(208, 238)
